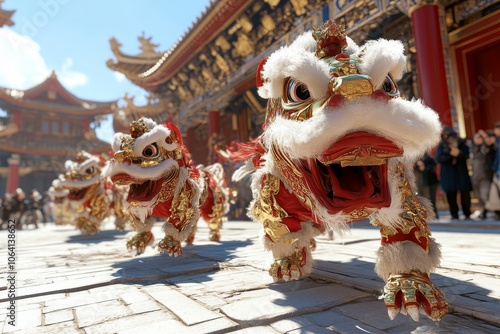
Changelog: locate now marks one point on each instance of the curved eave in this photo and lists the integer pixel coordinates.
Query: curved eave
(52, 83)
(102, 108)
(136, 60)
(216, 19)
(131, 71)
(103, 147)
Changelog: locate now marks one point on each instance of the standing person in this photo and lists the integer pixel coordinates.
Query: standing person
(496, 170)
(482, 156)
(428, 179)
(18, 206)
(452, 153)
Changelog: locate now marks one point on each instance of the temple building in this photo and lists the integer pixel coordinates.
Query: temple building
(206, 81)
(41, 128)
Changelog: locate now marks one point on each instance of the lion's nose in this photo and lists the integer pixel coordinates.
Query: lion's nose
(120, 156)
(352, 86)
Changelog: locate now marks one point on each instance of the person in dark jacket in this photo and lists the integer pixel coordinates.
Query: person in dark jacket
(452, 153)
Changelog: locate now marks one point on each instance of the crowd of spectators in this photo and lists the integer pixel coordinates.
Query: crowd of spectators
(23, 209)
(461, 167)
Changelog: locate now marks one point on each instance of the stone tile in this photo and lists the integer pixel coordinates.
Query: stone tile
(256, 330)
(326, 318)
(277, 305)
(100, 312)
(210, 302)
(437, 328)
(189, 311)
(287, 325)
(313, 329)
(162, 326)
(114, 288)
(191, 268)
(44, 298)
(373, 313)
(489, 311)
(65, 327)
(133, 323)
(354, 327)
(75, 299)
(58, 316)
(63, 286)
(134, 297)
(220, 325)
(25, 320)
(368, 284)
(25, 305)
(144, 306)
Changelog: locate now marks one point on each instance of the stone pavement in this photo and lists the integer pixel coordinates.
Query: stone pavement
(69, 283)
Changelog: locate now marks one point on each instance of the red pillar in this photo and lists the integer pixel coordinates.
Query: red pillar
(430, 60)
(16, 118)
(213, 122)
(190, 139)
(13, 177)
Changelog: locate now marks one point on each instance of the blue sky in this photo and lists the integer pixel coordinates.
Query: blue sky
(72, 38)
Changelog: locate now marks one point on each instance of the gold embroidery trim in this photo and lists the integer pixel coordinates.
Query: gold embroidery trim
(182, 210)
(293, 177)
(268, 211)
(414, 212)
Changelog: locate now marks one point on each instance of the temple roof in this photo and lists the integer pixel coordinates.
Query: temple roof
(51, 95)
(24, 144)
(156, 109)
(5, 16)
(217, 16)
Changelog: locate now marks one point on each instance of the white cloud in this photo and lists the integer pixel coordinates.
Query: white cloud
(105, 131)
(71, 79)
(24, 67)
(119, 76)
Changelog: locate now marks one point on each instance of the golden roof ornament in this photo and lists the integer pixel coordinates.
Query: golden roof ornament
(330, 38)
(81, 157)
(138, 128)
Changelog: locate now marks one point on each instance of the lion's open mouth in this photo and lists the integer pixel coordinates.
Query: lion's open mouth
(352, 173)
(77, 194)
(140, 190)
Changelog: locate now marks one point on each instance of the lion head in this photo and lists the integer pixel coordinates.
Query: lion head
(335, 117)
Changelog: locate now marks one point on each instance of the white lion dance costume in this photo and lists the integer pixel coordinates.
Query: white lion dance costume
(338, 146)
(164, 184)
(89, 200)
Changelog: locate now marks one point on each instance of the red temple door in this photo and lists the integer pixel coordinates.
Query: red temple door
(476, 52)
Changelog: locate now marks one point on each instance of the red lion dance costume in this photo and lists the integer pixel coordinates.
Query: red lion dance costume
(165, 184)
(338, 146)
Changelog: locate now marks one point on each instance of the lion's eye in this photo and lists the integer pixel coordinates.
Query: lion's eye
(150, 151)
(297, 92)
(90, 170)
(389, 86)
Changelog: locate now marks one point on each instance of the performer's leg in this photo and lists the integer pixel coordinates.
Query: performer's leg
(451, 197)
(288, 238)
(407, 256)
(466, 203)
(143, 237)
